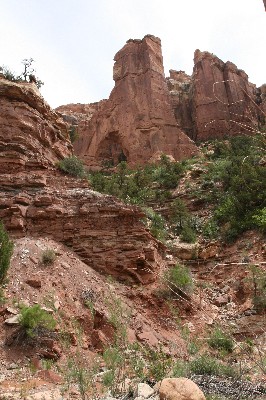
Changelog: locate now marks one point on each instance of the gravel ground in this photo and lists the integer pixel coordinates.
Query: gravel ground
(230, 388)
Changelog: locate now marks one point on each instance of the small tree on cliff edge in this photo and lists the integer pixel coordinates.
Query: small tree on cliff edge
(28, 72)
(26, 75)
(6, 250)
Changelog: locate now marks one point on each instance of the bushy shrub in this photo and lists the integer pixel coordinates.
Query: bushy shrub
(221, 341)
(6, 251)
(179, 277)
(2, 297)
(182, 221)
(259, 219)
(206, 365)
(240, 180)
(188, 234)
(33, 319)
(156, 224)
(48, 256)
(73, 134)
(8, 74)
(258, 279)
(72, 166)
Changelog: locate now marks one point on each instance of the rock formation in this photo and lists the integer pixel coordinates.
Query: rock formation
(217, 100)
(147, 115)
(32, 136)
(37, 200)
(137, 121)
(223, 99)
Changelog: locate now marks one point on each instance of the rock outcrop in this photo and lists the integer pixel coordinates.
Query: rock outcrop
(147, 115)
(137, 120)
(223, 100)
(37, 200)
(217, 100)
(32, 135)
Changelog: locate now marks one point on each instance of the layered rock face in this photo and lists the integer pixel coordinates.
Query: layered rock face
(36, 200)
(147, 115)
(137, 121)
(179, 85)
(223, 100)
(32, 135)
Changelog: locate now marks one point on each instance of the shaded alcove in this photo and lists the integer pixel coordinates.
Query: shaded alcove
(111, 149)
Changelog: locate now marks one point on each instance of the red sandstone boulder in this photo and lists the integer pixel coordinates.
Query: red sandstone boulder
(179, 389)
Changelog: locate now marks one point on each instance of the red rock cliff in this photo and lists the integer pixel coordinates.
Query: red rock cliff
(37, 200)
(223, 98)
(32, 135)
(138, 120)
(217, 100)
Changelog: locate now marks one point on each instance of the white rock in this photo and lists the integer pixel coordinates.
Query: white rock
(144, 390)
(13, 320)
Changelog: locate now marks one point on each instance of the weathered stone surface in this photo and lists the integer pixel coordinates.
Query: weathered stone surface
(223, 100)
(37, 200)
(179, 389)
(185, 251)
(13, 320)
(143, 391)
(32, 136)
(137, 120)
(180, 85)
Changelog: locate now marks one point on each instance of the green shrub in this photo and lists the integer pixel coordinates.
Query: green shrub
(48, 256)
(8, 74)
(240, 185)
(2, 297)
(260, 219)
(72, 166)
(6, 251)
(206, 365)
(188, 234)
(156, 224)
(73, 134)
(220, 341)
(258, 279)
(180, 369)
(33, 319)
(179, 277)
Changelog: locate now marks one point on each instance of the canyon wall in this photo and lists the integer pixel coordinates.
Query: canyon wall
(147, 115)
(137, 122)
(37, 200)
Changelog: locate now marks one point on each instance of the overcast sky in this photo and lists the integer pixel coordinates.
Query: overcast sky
(73, 42)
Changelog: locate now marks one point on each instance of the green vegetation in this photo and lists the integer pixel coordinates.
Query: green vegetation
(26, 75)
(33, 319)
(73, 133)
(2, 297)
(221, 341)
(258, 280)
(182, 221)
(142, 185)
(237, 184)
(6, 251)
(156, 223)
(206, 365)
(48, 256)
(72, 166)
(179, 277)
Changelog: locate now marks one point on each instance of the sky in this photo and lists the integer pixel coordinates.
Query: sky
(73, 42)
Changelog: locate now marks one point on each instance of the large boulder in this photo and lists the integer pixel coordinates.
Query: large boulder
(179, 389)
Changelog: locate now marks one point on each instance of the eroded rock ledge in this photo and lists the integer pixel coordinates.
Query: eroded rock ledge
(36, 200)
